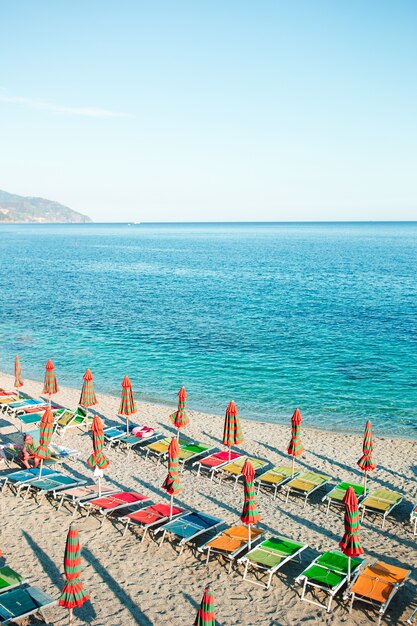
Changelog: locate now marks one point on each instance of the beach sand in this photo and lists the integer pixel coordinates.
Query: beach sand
(139, 583)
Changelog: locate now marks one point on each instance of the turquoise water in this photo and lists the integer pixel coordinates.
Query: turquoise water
(274, 316)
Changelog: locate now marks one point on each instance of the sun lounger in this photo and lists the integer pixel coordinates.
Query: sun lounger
(35, 416)
(233, 470)
(336, 494)
(274, 478)
(413, 518)
(118, 435)
(380, 502)
(7, 398)
(81, 494)
(188, 527)
(16, 479)
(305, 484)
(327, 574)
(9, 579)
(72, 419)
(231, 542)
(377, 584)
(109, 505)
(150, 517)
(23, 601)
(13, 407)
(132, 442)
(192, 450)
(214, 462)
(50, 485)
(269, 556)
(157, 448)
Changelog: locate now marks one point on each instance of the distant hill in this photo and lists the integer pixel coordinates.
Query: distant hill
(15, 208)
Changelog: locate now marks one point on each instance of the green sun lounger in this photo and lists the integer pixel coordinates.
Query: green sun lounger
(72, 419)
(191, 451)
(9, 579)
(335, 496)
(305, 484)
(22, 602)
(380, 502)
(274, 478)
(269, 556)
(327, 574)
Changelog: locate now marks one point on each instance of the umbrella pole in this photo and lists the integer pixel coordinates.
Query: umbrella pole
(364, 483)
(49, 400)
(292, 467)
(348, 570)
(40, 468)
(86, 419)
(178, 435)
(70, 617)
(127, 425)
(171, 506)
(230, 453)
(99, 486)
(249, 537)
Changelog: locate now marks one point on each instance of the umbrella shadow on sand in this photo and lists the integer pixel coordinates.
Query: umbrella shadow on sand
(196, 605)
(86, 613)
(138, 616)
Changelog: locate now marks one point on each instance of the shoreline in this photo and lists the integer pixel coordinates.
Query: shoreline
(170, 406)
(132, 582)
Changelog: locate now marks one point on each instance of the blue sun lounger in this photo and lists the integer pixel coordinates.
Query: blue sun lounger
(50, 485)
(189, 526)
(16, 479)
(23, 601)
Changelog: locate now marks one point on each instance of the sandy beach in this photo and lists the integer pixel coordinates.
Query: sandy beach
(139, 583)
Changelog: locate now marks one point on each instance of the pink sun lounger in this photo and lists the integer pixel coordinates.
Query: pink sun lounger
(214, 462)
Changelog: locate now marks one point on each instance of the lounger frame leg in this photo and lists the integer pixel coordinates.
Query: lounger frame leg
(208, 556)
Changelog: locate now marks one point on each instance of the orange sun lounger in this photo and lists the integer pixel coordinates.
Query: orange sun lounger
(377, 584)
(230, 543)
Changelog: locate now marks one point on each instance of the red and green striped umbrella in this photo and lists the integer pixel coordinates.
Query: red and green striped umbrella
(88, 396)
(98, 458)
(73, 594)
(46, 431)
(232, 433)
(50, 386)
(295, 447)
(350, 544)
(18, 381)
(365, 462)
(205, 614)
(172, 481)
(127, 403)
(250, 513)
(180, 417)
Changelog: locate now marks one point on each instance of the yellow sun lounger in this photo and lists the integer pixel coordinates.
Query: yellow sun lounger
(380, 502)
(157, 448)
(231, 542)
(274, 478)
(377, 584)
(305, 484)
(234, 470)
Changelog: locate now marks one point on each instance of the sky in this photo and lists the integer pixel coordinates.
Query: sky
(212, 111)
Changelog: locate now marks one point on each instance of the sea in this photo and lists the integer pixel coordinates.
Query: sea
(319, 316)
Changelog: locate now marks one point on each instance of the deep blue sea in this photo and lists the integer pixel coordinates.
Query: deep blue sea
(274, 316)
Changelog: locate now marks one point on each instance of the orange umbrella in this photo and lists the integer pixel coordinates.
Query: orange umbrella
(350, 544)
(47, 428)
(88, 396)
(50, 386)
(18, 381)
(172, 481)
(180, 417)
(232, 432)
(127, 403)
(98, 459)
(250, 514)
(365, 462)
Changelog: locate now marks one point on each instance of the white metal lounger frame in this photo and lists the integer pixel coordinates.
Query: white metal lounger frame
(381, 607)
(306, 494)
(413, 519)
(376, 511)
(270, 570)
(327, 497)
(212, 470)
(331, 591)
(40, 493)
(62, 497)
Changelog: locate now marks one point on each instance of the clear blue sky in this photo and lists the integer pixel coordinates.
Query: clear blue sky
(217, 110)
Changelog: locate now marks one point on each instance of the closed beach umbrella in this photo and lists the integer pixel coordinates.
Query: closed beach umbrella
(127, 403)
(250, 513)
(72, 594)
(350, 544)
(50, 386)
(232, 433)
(46, 430)
(18, 380)
(172, 481)
(365, 462)
(205, 614)
(88, 396)
(180, 417)
(295, 447)
(98, 459)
